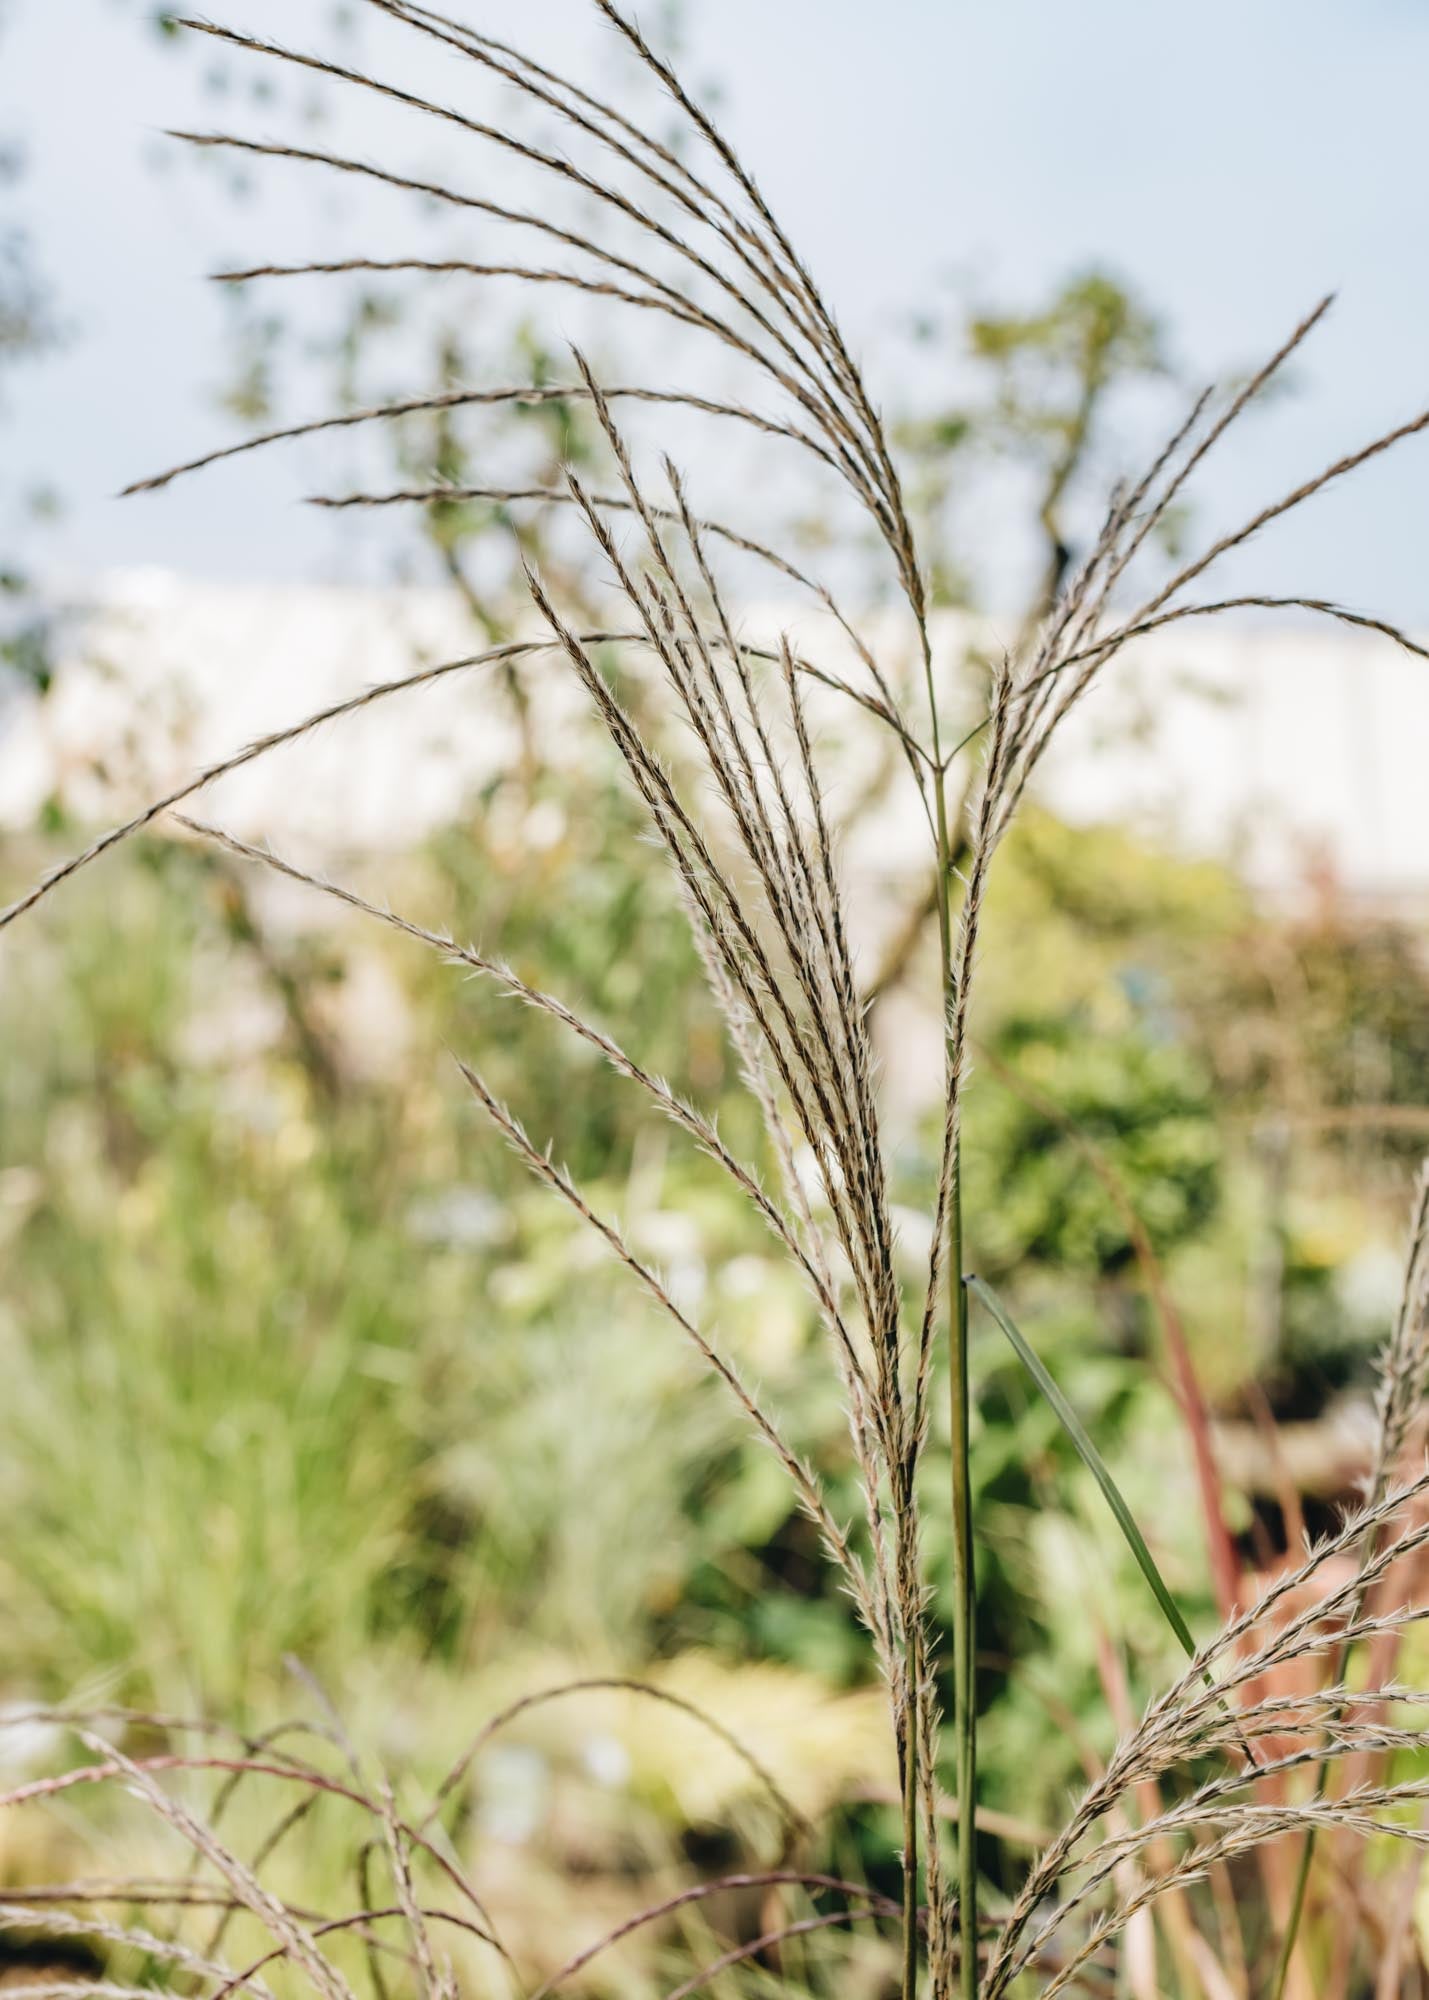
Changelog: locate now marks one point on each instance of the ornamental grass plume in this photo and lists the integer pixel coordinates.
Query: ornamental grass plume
(680, 233)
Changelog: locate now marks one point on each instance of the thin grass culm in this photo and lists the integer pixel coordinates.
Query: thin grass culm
(735, 799)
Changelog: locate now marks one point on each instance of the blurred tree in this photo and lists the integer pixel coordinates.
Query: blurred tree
(27, 328)
(25, 322)
(1048, 381)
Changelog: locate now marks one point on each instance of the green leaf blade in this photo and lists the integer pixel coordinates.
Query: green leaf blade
(1090, 1457)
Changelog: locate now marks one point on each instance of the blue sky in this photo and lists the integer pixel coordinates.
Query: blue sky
(1234, 160)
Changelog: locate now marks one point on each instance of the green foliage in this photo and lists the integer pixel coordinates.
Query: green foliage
(296, 1371)
(297, 1353)
(209, 1349)
(1140, 1099)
